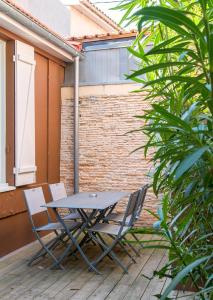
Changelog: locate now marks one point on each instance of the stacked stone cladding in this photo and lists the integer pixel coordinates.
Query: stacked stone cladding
(107, 160)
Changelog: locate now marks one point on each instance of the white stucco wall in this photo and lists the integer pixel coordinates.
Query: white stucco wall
(82, 25)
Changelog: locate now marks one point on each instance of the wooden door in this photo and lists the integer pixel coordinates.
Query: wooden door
(41, 112)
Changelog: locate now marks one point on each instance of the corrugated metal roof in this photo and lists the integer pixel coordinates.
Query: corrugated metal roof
(105, 62)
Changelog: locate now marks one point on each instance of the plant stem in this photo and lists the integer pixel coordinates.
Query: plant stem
(182, 259)
(210, 80)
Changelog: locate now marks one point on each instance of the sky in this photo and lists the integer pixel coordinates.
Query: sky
(105, 6)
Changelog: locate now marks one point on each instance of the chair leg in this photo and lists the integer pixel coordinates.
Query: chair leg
(130, 246)
(52, 244)
(100, 237)
(136, 238)
(73, 240)
(67, 252)
(108, 250)
(125, 250)
(41, 253)
(49, 252)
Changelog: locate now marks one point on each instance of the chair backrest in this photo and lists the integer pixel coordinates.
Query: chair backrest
(35, 200)
(130, 209)
(134, 207)
(57, 191)
(141, 199)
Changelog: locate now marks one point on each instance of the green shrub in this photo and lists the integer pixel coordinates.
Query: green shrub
(177, 73)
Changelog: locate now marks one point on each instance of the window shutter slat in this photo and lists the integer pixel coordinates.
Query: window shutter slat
(25, 168)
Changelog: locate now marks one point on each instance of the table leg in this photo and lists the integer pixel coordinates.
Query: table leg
(75, 243)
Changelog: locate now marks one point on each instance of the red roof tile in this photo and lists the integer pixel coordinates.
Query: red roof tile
(106, 36)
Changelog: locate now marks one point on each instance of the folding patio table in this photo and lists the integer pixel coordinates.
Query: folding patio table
(98, 204)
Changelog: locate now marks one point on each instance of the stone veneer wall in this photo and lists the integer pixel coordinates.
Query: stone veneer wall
(106, 162)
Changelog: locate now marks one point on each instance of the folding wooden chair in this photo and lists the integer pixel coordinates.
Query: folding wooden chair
(116, 232)
(118, 217)
(35, 203)
(58, 191)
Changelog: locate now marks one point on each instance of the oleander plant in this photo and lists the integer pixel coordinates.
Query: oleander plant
(174, 54)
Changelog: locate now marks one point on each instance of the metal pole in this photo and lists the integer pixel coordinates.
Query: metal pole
(76, 127)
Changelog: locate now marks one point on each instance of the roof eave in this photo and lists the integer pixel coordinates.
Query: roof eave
(13, 19)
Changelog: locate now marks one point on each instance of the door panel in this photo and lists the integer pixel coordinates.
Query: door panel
(56, 77)
(41, 105)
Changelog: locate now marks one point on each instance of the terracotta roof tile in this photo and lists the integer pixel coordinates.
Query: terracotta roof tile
(106, 36)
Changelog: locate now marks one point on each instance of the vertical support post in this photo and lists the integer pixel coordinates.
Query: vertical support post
(76, 126)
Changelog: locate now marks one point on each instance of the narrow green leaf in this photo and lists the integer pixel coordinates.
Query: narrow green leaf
(182, 274)
(189, 161)
(178, 216)
(135, 53)
(165, 43)
(170, 15)
(186, 79)
(158, 67)
(157, 247)
(171, 117)
(127, 13)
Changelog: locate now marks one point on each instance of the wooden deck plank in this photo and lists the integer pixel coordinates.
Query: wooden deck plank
(83, 286)
(90, 282)
(51, 277)
(60, 284)
(14, 278)
(155, 285)
(74, 271)
(18, 281)
(16, 258)
(109, 281)
(121, 288)
(24, 281)
(140, 284)
(104, 285)
(112, 281)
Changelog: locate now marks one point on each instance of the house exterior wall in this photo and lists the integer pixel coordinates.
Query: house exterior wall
(15, 229)
(106, 163)
(81, 25)
(51, 12)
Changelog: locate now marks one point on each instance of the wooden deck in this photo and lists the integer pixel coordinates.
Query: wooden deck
(18, 281)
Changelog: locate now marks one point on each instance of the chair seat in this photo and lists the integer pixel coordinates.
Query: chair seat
(58, 226)
(117, 217)
(108, 228)
(72, 216)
